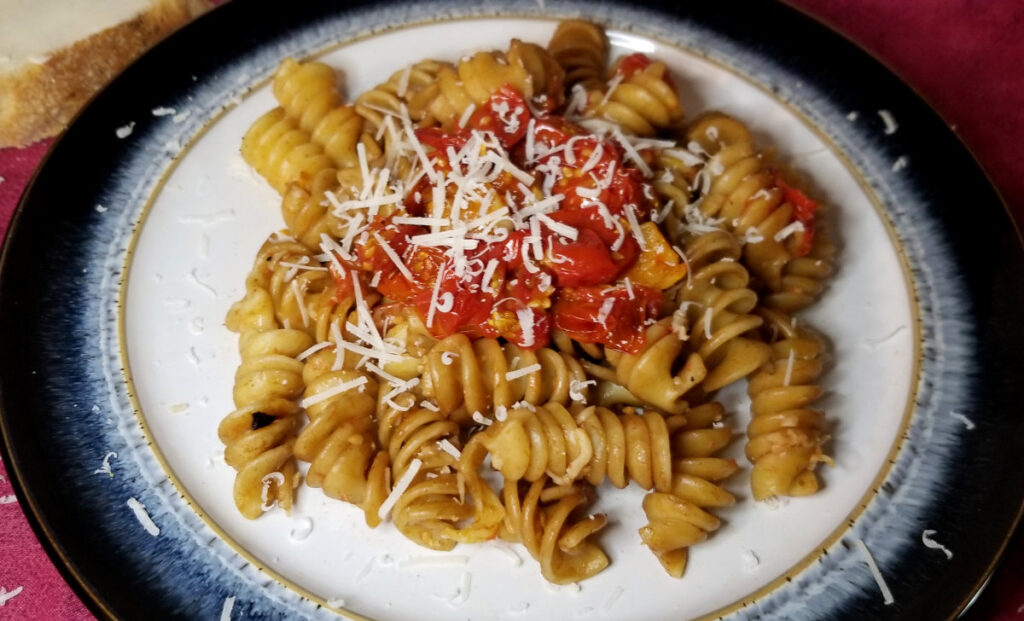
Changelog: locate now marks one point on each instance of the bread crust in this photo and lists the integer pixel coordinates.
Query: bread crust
(38, 100)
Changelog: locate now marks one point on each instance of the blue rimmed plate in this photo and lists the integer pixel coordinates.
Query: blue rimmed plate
(138, 230)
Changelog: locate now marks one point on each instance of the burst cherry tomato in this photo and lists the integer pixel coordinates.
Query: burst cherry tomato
(424, 262)
(586, 261)
(607, 315)
(590, 218)
(440, 139)
(505, 114)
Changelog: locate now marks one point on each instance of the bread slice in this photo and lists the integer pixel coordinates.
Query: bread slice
(54, 54)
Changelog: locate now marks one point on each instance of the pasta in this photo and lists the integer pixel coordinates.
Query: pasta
(546, 520)
(581, 49)
(785, 436)
(715, 305)
(549, 442)
(338, 441)
(413, 87)
(260, 433)
(509, 280)
(753, 200)
(280, 151)
(677, 517)
(525, 67)
(460, 376)
(638, 97)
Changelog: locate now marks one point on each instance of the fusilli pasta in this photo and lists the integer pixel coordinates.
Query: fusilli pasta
(495, 274)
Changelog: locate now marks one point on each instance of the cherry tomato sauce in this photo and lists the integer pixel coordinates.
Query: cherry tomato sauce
(520, 282)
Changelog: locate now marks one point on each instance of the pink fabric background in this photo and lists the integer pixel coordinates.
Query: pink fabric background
(963, 56)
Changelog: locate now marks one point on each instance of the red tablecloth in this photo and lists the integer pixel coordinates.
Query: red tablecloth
(963, 56)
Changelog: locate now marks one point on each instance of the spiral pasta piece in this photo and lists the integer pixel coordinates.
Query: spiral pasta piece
(259, 434)
(526, 67)
(431, 508)
(640, 100)
(678, 518)
(465, 377)
(581, 49)
(300, 288)
(597, 444)
(751, 200)
(308, 93)
(803, 277)
(784, 434)
(661, 373)
(547, 520)
(309, 205)
(718, 305)
(339, 443)
(280, 151)
(307, 212)
(446, 502)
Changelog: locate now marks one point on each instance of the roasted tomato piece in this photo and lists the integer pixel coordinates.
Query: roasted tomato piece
(505, 114)
(424, 262)
(526, 327)
(372, 256)
(440, 139)
(607, 315)
(586, 261)
(803, 210)
(591, 218)
(530, 288)
(343, 279)
(628, 65)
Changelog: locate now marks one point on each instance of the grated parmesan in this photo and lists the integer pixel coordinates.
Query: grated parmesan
(449, 448)
(516, 374)
(789, 367)
(403, 484)
(337, 389)
(142, 516)
(225, 611)
(876, 573)
(926, 539)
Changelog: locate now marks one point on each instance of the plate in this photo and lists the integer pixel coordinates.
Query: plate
(136, 234)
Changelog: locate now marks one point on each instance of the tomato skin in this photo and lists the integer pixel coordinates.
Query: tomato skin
(440, 139)
(803, 210)
(586, 261)
(505, 103)
(371, 255)
(343, 284)
(590, 218)
(424, 262)
(629, 65)
(632, 63)
(577, 312)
